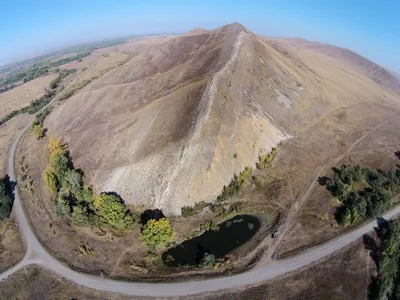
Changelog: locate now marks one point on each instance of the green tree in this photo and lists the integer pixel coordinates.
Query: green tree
(110, 211)
(79, 215)
(62, 207)
(158, 234)
(38, 131)
(6, 199)
(73, 182)
(50, 179)
(208, 260)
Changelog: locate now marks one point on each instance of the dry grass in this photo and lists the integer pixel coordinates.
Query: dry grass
(375, 151)
(22, 95)
(7, 133)
(343, 276)
(12, 249)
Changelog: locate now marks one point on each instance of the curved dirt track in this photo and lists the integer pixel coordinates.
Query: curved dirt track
(37, 254)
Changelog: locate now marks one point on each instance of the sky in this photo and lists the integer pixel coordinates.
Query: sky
(368, 27)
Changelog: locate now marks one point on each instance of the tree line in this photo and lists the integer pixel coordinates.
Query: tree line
(75, 201)
(362, 192)
(387, 283)
(37, 70)
(6, 198)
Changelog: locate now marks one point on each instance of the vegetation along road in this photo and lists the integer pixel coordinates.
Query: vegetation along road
(37, 254)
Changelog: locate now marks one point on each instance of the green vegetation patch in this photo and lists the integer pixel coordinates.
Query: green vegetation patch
(236, 185)
(61, 75)
(158, 234)
(74, 88)
(75, 201)
(6, 198)
(265, 160)
(387, 283)
(362, 192)
(188, 211)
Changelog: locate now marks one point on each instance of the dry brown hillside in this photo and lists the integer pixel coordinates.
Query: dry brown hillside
(162, 129)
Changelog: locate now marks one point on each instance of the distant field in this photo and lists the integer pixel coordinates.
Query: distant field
(7, 132)
(22, 95)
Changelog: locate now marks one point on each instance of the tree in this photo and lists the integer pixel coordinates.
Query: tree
(6, 199)
(38, 131)
(62, 207)
(110, 211)
(158, 234)
(208, 260)
(378, 201)
(61, 164)
(79, 215)
(73, 182)
(56, 145)
(50, 179)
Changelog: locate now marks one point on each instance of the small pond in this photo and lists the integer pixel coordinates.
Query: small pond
(230, 235)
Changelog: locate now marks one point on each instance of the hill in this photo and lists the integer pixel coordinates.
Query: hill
(171, 126)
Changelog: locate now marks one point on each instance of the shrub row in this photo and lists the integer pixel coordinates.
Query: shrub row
(265, 160)
(236, 185)
(75, 201)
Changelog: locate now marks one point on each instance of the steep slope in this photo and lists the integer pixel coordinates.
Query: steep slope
(162, 129)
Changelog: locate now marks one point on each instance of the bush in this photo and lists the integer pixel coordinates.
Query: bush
(188, 211)
(38, 131)
(158, 234)
(208, 261)
(236, 185)
(265, 160)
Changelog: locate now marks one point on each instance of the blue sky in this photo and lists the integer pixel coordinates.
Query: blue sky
(369, 27)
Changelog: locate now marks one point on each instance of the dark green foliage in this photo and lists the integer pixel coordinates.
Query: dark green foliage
(62, 207)
(80, 215)
(188, 211)
(387, 283)
(6, 198)
(236, 185)
(362, 192)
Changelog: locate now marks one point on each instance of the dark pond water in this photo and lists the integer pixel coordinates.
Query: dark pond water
(231, 234)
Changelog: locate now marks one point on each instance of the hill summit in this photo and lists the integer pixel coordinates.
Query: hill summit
(174, 124)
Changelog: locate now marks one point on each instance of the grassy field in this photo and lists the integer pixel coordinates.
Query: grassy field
(12, 249)
(22, 95)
